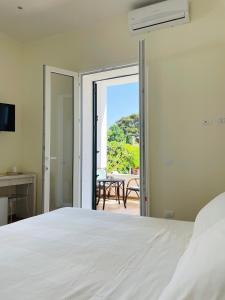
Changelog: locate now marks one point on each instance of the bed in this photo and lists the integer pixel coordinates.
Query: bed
(88, 255)
(80, 254)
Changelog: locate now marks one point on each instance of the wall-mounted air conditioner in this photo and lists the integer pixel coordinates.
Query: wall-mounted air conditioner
(159, 15)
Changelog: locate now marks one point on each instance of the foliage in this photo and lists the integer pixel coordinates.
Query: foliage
(115, 133)
(130, 127)
(135, 153)
(119, 158)
(123, 145)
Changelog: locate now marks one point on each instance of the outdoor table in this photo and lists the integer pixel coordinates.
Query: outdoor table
(106, 183)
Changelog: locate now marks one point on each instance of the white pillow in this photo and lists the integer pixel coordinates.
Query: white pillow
(212, 213)
(200, 273)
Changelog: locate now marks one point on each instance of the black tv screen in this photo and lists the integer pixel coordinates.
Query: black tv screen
(7, 117)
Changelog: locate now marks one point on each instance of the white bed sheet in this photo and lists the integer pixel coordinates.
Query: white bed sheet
(84, 255)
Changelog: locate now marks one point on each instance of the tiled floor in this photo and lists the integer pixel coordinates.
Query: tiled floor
(133, 207)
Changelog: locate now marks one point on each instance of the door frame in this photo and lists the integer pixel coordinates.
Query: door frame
(144, 131)
(47, 71)
(94, 150)
(144, 209)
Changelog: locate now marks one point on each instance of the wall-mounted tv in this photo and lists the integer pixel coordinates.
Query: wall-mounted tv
(7, 117)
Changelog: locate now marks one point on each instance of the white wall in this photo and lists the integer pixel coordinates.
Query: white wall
(187, 74)
(11, 143)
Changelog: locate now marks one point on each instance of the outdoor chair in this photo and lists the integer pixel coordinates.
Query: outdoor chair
(101, 174)
(133, 185)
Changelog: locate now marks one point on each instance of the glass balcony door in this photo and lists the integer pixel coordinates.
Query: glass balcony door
(61, 137)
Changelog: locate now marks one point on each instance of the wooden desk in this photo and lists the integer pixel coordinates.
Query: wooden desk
(9, 184)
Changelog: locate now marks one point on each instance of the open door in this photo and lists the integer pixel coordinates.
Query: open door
(61, 165)
(144, 130)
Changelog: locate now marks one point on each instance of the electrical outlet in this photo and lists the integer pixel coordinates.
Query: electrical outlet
(169, 214)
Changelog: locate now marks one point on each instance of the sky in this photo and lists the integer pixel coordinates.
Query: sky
(122, 101)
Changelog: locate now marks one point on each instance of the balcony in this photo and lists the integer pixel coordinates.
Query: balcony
(113, 205)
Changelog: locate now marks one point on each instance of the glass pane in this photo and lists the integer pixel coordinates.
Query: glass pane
(61, 166)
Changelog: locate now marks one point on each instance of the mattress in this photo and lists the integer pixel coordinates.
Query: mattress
(88, 255)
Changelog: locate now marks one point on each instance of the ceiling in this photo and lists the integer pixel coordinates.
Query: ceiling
(40, 18)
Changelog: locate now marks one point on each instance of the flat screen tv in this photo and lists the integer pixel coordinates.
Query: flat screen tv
(7, 117)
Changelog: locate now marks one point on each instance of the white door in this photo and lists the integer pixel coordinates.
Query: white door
(144, 132)
(61, 165)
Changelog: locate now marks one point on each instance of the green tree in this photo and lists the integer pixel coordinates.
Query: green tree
(122, 157)
(123, 145)
(130, 128)
(119, 158)
(134, 150)
(116, 134)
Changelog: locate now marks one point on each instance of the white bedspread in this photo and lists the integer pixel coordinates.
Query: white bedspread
(84, 255)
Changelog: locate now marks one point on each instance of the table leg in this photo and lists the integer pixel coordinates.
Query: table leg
(99, 194)
(118, 191)
(104, 195)
(124, 200)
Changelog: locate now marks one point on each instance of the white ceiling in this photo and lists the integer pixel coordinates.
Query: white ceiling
(40, 18)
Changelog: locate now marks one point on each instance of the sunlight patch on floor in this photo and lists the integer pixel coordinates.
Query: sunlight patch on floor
(133, 207)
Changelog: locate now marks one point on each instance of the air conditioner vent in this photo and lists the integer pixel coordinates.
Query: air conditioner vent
(163, 14)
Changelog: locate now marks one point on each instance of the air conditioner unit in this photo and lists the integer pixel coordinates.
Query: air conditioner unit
(159, 15)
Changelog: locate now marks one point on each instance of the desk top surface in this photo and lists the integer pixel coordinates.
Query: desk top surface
(16, 176)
